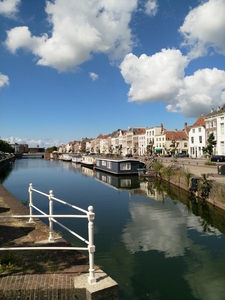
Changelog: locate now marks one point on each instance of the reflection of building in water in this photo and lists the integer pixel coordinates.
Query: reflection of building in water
(124, 182)
(87, 171)
(148, 188)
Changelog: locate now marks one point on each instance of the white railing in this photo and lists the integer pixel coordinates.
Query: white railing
(90, 215)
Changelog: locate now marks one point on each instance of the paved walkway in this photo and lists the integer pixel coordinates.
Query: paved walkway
(57, 284)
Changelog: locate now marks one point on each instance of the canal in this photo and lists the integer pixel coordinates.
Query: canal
(151, 238)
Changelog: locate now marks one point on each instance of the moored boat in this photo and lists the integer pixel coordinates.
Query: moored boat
(118, 166)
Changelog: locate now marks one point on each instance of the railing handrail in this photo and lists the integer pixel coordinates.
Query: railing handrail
(89, 214)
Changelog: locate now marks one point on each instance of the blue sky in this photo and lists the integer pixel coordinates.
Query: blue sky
(71, 69)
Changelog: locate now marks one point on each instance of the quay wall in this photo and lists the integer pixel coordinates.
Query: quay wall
(217, 192)
(4, 163)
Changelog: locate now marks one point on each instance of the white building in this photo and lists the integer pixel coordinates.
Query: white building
(197, 138)
(215, 124)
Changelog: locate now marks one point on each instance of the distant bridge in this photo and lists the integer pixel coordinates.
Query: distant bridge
(30, 155)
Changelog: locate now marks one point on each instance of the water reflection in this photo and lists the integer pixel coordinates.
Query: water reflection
(151, 237)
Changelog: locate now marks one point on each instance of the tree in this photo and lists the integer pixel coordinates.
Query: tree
(6, 147)
(174, 145)
(51, 149)
(210, 144)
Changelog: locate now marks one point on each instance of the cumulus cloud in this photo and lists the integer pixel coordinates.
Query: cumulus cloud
(203, 91)
(154, 78)
(79, 29)
(4, 80)
(9, 7)
(203, 28)
(93, 76)
(160, 77)
(151, 7)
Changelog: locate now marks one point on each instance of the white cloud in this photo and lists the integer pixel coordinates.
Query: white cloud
(160, 77)
(154, 78)
(93, 76)
(9, 7)
(33, 143)
(4, 80)
(200, 92)
(151, 7)
(203, 28)
(79, 29)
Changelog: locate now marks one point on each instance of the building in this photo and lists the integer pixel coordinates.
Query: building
(197, 138)
(215, 124)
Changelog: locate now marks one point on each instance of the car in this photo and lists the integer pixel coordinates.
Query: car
(129, 155)
(219, 158)
(180, 155)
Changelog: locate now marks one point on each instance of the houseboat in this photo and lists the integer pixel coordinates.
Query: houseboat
(77, 158)
(88, 161)
(66, 157)
(118, 166)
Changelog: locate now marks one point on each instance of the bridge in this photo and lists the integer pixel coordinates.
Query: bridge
(33, 155)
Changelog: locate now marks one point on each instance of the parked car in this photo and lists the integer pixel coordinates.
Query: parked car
(180, 155)
(220, 158)
(129, 155)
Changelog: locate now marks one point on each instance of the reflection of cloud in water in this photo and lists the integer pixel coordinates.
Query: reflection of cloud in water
(205, 276)
(156, 227)
(162, 227)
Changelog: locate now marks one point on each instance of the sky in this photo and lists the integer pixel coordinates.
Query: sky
(71, 69)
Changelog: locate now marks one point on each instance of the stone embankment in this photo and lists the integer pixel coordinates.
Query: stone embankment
(198, 169)
(43, 274)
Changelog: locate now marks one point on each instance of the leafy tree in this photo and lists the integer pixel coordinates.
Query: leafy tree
(211, 143)
(157, 166)
(174, 145)
(51, 149)
(6, 147)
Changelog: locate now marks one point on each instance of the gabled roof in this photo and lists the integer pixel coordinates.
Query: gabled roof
(199, 122)
(177, 135)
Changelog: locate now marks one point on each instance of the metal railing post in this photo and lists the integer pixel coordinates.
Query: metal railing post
(51, 237)
(31, 220)
(91, 247)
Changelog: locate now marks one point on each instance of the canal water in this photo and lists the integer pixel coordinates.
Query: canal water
(151, 238)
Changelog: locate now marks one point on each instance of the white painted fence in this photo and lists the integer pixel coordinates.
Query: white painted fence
(90, 215)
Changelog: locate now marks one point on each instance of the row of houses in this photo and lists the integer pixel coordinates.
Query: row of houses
(157, 140)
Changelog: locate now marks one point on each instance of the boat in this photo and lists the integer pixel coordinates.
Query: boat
(66, 157)
(118, 166)
(88, 161)
(77, 158)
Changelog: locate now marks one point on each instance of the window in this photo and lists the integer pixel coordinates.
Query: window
(192, 139)
(193, 130)
(104, 163)
(185, 145)
(214, 123)
(199, 129)
(97, 162)
(109, 164)
(125, 166)
(200, 139)
(222, 128)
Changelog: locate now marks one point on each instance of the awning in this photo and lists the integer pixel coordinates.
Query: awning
(158, 149)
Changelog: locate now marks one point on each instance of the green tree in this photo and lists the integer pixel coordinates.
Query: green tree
(6, 147)
(174, 145)
(211, 143)
(51, 149)
(157, 166)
